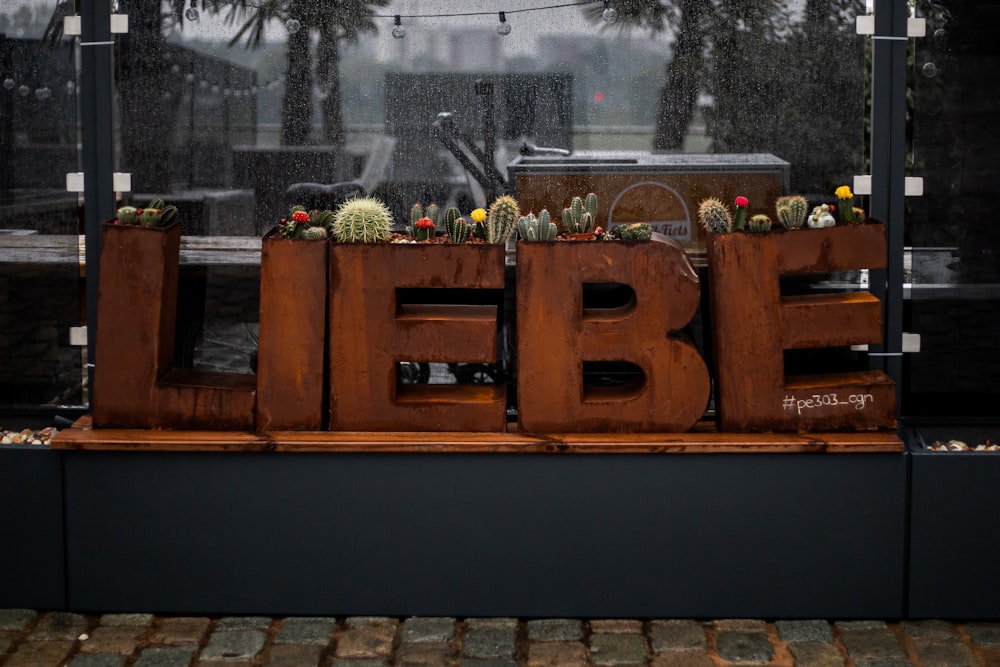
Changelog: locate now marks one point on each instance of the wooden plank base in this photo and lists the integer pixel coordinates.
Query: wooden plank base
(704, 439)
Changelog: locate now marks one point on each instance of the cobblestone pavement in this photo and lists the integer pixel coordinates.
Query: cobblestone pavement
(56, 639)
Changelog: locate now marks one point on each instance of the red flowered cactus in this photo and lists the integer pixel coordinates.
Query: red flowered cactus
(306, 225)
(423, 229)
(740, 219)
(300, 216)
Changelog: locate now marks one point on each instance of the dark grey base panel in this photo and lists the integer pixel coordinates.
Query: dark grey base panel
(32, 555)
(955, 531)
(770, 536)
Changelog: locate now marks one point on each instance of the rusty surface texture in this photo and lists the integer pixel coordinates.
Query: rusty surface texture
(385, 308)
(558, 332)
(292, 336)
(753, 324)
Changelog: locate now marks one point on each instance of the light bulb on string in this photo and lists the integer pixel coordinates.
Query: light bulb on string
(504, 27)
(293, 26)
(192, 12)
(398, 31)
(610, 14)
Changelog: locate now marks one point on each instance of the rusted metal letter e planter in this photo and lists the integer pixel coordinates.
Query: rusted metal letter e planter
(753, 325)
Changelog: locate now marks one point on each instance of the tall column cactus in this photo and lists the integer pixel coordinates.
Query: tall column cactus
(501, 220)
(541, 228)
(455, 225)
(581, 215)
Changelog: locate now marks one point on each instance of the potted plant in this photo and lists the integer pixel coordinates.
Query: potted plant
(292, 326)
(394, 298)
(644, 292)
(754, 323)
(135, 385)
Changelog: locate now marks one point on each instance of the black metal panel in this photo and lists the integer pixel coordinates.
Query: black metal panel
(954, 532)
(469, 535)
(32, 561)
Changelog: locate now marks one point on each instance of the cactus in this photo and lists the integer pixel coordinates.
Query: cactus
(157, 214)
(715, 216)
(478, 223)
(126, 215)
(580, 216)
(792, 211)
(423, 229)
(759, 223)
(637, 231)
(845, 205)
(362, 220)
(433, 213)
(416, 212)
(740, 219)
(501, 220)
(541, 228)
(314, 233)
(455, 225)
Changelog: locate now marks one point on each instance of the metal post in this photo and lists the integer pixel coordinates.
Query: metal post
(888, 169)
(96, 93)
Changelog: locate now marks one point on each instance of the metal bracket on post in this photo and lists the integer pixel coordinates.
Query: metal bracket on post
(73, 27)
(865, 25)
(914, 186)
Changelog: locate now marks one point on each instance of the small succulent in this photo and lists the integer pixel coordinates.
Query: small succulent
(715, 216)
(479, 223)
(305, 225)
(845, 205)
(157, 214)
(792, 211)
(636, 231)
(423, 229)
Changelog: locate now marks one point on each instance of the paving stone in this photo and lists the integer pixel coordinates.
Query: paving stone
(489, 642)
(306, 630)
(944, 652)
(872, 645)
(618, 649)
(804, 631)
(425, 654)
(354, 622)
(619, 626)
(243, 623)
(682, 659)
(849, 626)
(984, 634)
(488, 662)
(180, 630)
(557, 654)
(816, 654)
(233, 645)
(98, 660)
(59, 625)
(477, 623)
(678, 635)
(294, 655)
(744, 646)
(17, 619)
(929, 629)
(367, 641)
(740, 625)
(359, 662)
(132, 620)
(122, 640)
(168, 656)
(555, 630)
(40, 653)
(428, 629)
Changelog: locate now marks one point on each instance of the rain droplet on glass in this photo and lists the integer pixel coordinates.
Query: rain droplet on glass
(293, 26)
(929, 70)
(9, 84)
(191, 14)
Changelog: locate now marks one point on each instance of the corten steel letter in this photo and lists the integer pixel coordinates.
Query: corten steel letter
(135, 385)
(752, 325)
(556, 335)
(292, 335)
(371, 331)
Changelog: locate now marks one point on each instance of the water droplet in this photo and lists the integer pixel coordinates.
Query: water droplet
(9, 84)
(189, 77)
(23, 91)
(175, 68)
(929, 70)
(191, 14)
(503, 28)
(610, 14)
(43, 93)
(293, 26)
(399, 32)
